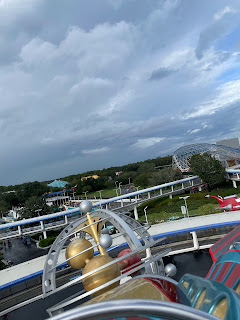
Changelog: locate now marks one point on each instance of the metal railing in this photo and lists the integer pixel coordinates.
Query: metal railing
(61, 219)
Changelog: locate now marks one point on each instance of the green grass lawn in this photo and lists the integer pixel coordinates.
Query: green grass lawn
(106, 193)
(164, 208)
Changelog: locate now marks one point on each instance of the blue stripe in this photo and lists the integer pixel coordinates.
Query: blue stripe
(157, 236)
(228, 273)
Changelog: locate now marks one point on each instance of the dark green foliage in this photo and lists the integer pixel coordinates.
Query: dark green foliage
(138, 172)
(142, 179)
(165, 175)
(46, 242)
(31, 189)
(209, 169)
(34, 207)
(4, 207)
(2, 265)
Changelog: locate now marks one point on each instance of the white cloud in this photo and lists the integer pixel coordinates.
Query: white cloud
(223, 12)
(97, 150)
(228, 94)
(193, 131)
(92, 83)
(68, 81)
(147, 142)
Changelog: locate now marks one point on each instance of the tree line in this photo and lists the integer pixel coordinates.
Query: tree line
(144, 174)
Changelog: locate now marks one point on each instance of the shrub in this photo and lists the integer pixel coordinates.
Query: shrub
(46, 242)
(208, 209)
(2, 265)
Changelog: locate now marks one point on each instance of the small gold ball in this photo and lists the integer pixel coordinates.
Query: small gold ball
(102, 276)
(75, 247)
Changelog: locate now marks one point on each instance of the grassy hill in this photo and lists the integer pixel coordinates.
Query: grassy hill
(165, 208)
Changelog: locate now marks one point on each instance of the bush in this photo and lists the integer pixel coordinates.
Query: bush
(46, 242)
(208, 209)
(52, 233)
(2, 265)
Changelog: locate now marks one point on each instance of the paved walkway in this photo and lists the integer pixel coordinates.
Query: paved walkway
(19, 252)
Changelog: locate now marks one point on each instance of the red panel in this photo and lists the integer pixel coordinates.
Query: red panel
(224, 271)
(210, 270)
(214, 271)
(226, 242)
(234, 275)
(168, 288)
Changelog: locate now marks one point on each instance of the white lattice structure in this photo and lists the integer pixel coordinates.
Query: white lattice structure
(182, 156)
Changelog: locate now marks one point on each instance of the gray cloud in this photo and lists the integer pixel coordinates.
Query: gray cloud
(160, 74)
(74, 89)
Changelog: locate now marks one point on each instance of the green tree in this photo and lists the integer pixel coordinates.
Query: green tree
(165, 175)
(142, 179)
(34, 207)
(4, 207)
(209, 169)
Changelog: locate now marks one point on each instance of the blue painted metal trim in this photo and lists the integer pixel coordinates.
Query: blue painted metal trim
(208, 226)
(235, 284)
(157, 236)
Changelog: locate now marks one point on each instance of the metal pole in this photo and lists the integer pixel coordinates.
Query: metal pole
(145, 211)
(119, 186)
(186, 207)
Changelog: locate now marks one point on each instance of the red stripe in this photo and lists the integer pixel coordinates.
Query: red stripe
(234, 275)
(209, 272)
(215, 271)
(212, 255)
(224, 271)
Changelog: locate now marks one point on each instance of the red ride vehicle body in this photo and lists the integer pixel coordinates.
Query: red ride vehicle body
(230, 203)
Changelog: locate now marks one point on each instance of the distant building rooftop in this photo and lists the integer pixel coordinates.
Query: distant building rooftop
(95, 176)
(182, 156)
(58, 184)
(233, 143)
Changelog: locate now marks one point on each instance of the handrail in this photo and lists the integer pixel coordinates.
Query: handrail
(103, 202)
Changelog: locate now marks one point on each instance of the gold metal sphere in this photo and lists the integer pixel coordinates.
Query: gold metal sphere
(102, 276)
(75, 247)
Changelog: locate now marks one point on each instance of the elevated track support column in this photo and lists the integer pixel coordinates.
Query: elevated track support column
(195, 240)
(135, 212)
(66, 219)
(234, 184)
(43, 230)
(20, 230)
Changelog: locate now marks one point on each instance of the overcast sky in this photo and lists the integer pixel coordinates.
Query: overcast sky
(91, 84)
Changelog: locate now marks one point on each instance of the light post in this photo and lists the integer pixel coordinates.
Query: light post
(185, 200)
(85, 192)
(38, 210)
(100, 195)
(116, 183)
(145, 212)
(116, 191)
(119, 186)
